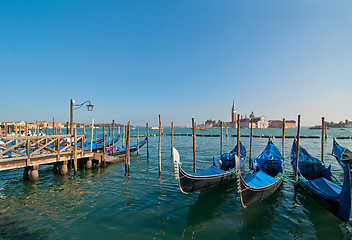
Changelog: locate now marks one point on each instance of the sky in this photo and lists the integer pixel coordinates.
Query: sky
(183, 59)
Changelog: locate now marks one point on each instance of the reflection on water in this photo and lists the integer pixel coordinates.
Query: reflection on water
(330, 227)
(257, 219)
(206, 208)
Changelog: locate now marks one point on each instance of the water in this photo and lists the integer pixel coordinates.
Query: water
(103, 203)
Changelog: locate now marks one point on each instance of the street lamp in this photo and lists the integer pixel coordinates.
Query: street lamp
(77, 106)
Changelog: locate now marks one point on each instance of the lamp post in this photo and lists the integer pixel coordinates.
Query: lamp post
(77, 106)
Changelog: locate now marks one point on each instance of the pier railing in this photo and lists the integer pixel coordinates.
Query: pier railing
(39, 147)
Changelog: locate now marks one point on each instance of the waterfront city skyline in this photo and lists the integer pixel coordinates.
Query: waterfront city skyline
(135, 60)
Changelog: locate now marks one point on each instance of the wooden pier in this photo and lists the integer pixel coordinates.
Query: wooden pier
(29, 152)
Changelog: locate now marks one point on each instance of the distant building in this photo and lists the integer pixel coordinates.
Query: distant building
(258, 122)
(279, 124)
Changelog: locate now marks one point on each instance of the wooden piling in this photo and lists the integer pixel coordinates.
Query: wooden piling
(322, 138)
(123, 136)
(297, 150)
(194, 146)
(283, 137)
(91, 136)
(147, 140)
(104, 144)
(159, 146)
(26, 129)
(75, 151)
(66, 128)
(137, 140)
(113, 136)
(250, 143)
(54, 130)
(172, 139)
(109, 136)
(127, 157)
(238, 136)
(221, 127)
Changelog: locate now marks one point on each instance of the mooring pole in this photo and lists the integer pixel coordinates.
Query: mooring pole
(75, 151)
(221, 126)
(283, 137)
(127, 168)
(238, 136)
(250, 144)
(91, 136)
(322, 138)
(113, 136)
(137, 140)
(194, 146)
(123, 136)
(54, 130)
(172, 138)
(147, 140)
(104, 144)
(159, 146)
(297, 150)
(109, 141)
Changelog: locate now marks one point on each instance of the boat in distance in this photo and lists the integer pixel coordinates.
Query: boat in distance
(265, 178)
(221, 171)
(318, 181)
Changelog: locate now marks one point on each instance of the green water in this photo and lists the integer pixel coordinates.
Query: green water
(103, 203)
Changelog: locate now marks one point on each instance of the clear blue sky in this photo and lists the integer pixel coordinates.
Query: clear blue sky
(135, 59)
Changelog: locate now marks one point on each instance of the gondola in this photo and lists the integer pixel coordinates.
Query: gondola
(265, 178)
(222, 171)
(96, 147)
(342, 155)
(317, 180)
(121, 151)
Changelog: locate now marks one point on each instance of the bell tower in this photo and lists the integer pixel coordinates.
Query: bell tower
(233, 112)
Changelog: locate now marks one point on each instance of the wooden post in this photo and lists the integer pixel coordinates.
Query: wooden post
(91, 136)
(322, 138)
(227, 132)
(109, 136)
(250, 144)
(66, 128)
(71, 116)
(104, 144)
(113, 137)
(147, 140)
(172, 139)
(297, 150)
(159, 146)
(194, 146)
(123, 136)
(60, 131)
(283, 137)
(127, 157)
(37, 127)
(221, 126)
(137, 140)
(54, 130)
(238, 136)
(75, 151)
(28, 152)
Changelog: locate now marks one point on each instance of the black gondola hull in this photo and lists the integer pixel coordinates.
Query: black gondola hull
(190, 183)
(253, 195)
